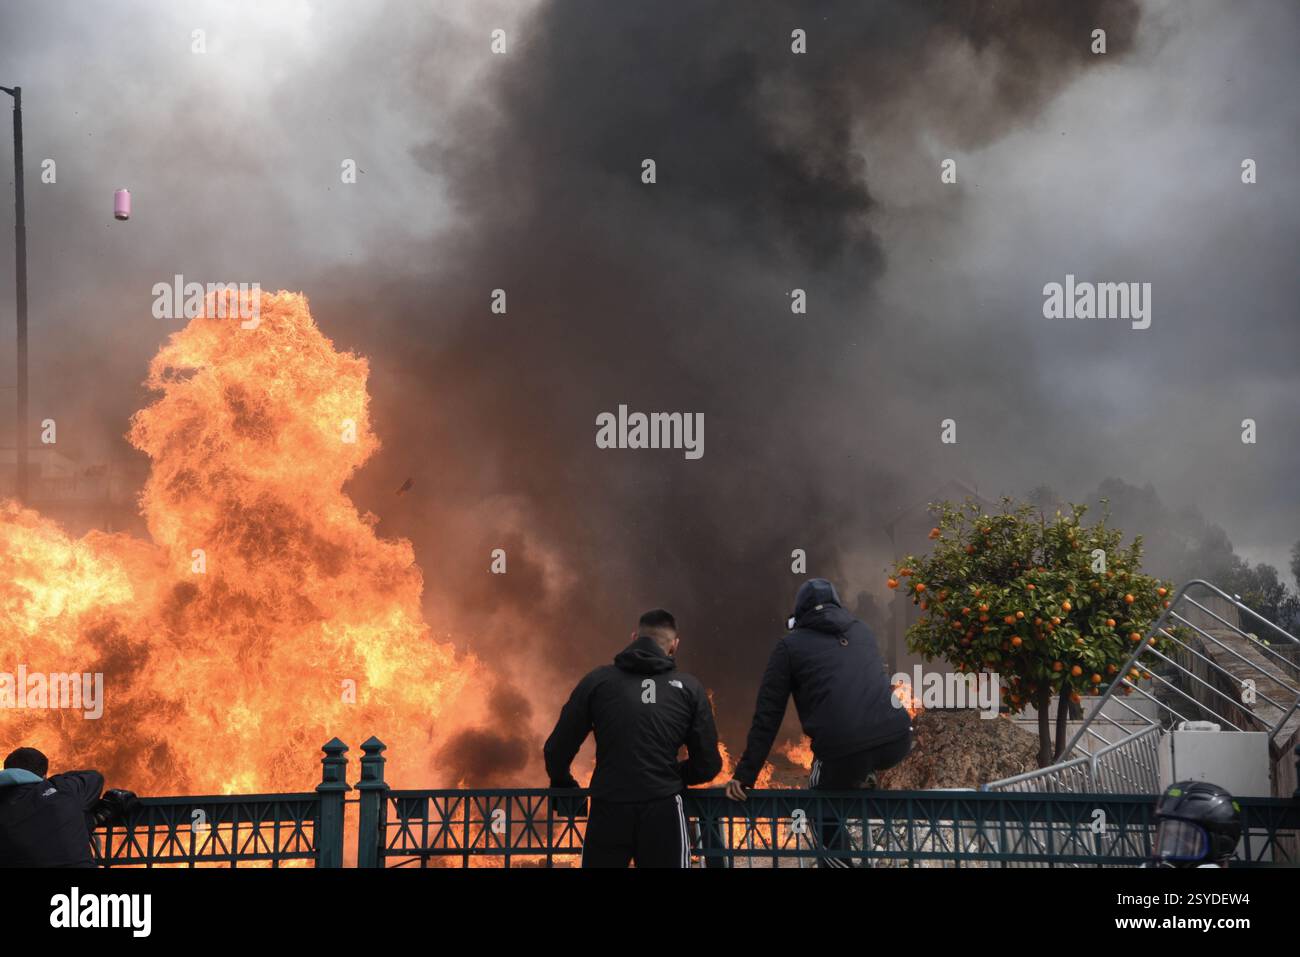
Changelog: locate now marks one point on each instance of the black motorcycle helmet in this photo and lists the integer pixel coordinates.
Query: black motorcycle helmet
(1196, 823)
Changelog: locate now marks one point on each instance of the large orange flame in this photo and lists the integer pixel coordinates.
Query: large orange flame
(231, 642)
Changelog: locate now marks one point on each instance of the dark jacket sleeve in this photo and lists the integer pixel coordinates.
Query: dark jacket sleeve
(703, 762)
(570, 731)
(773, 694)
(84, 785)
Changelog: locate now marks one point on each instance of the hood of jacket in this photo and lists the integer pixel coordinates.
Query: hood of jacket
(831, 619)
(14, 776)
(643, 657)
(814, 592)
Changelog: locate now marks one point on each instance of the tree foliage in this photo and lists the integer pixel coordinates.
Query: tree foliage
(1052, 606)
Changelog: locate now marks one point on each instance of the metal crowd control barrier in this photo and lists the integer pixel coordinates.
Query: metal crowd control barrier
(1233, 678)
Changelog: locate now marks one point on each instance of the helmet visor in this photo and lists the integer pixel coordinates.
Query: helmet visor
(1181, 841)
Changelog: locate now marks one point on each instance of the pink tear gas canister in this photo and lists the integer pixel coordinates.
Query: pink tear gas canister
(122, 204)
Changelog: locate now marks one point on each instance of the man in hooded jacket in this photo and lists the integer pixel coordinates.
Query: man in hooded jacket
(830, 663)
(43, 821)
(642, 711)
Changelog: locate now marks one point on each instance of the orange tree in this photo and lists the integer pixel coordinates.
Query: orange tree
(1053, 607)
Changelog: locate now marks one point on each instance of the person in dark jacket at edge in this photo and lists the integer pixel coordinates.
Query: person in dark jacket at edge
(47, 822)
(642, 711)
(830, 663)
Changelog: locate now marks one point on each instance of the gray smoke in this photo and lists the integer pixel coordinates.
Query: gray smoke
(775, 171)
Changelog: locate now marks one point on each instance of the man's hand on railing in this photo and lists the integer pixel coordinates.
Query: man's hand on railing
(112, 808)
(570, 806)
(735, 790)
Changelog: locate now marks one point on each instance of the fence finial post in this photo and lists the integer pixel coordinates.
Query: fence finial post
(333, 785)
(373, 793)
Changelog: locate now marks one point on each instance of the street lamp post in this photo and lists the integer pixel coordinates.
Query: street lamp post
(20, 260)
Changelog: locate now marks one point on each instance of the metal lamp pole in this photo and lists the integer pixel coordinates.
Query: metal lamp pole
(20, 257)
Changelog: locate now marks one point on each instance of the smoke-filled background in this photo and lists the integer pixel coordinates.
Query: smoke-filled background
(521, 171)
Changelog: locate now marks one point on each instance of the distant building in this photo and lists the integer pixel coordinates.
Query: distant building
(79, 495)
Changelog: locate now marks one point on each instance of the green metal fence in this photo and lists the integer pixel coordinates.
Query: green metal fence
(268, 830)
(774, 828)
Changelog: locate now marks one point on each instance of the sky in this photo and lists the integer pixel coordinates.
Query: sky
(775, 171)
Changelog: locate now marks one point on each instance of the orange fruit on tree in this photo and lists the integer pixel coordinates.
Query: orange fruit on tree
(1009, 619)
(1065, 606)
(1135, 637)
(1096, 679)
(1110, 622)
(934, 533)
(1162, 592)
(1076, 671)
(1057, 665)
(1020, 614)
(1129, 599)
(1017, 641)
(920, 587)
(892, 582)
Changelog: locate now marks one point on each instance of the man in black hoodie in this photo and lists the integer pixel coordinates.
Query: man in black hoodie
(830, 663)
(43, 821)
(642, 710)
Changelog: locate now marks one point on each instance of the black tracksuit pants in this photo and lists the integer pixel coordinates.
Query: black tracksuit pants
(651, 833)
(846, 774)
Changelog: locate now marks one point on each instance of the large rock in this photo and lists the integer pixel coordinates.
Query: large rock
(959, 749)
